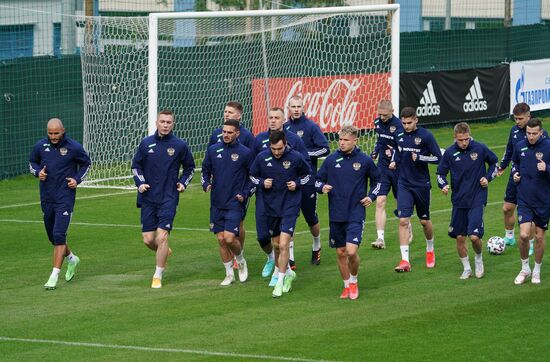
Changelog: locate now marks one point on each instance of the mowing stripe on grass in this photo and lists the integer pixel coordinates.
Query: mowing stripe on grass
(78, 198)
(154, 349)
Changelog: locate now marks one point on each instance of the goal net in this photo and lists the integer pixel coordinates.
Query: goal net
(341, 61)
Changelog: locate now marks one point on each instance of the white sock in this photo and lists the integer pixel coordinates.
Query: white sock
(346, 283)
(271, 256)
(55, 272)
(479, 258)
(281, 278)
(525, 265)
(291, 250)
(531, 242)
(380, 234)
(70, 257)
(353, 279)
(240, 258)
(276, 270)
(466, 263)
(158, 272)
(430, 245)
(404, 252)
(536, 269)
(316, 245)
(509, 233)
(288, 270)
(228, 267)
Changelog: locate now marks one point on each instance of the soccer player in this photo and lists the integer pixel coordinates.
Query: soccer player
(417, 148)
(225, 174)
(279, 173)
(345, 176)
(60, 163)
(472, 166)
(387, 127)
(317, 146)
(522, 114)
(234, 110)
(156, 167)
(275, 120)
(532, 176)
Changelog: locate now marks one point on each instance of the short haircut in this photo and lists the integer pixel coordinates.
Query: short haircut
(462, 127)
(534, 122)
(276, 136)
(349, 130)
(233, 123)
(277, 109)
(167, 112)
(236, 105)
(385, 104)
(408, 112)
(296, 98)
(521, 108)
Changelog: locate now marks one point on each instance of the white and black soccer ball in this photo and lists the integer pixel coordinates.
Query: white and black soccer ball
(496, 245)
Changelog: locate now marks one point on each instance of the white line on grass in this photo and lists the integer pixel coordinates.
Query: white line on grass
(78, 198)
(154, 349)
(195, 229)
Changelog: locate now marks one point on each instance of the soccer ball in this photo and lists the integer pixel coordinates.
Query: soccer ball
(496, 245)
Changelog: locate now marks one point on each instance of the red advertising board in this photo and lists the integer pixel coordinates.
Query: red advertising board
(332, 101)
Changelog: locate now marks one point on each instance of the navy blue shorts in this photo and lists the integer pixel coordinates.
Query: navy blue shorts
(225, 220)
(411, 197)
(467, 221)
(511, 194)
(57, 218)
(537, 215)
(388, 181)
(278, 225)
(345, 232)
(262, 229)
(309, 204)
(155, 217)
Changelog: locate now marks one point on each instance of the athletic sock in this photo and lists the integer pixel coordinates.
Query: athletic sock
(466, 263)
(525, 265)
(228, 267)
(430, 245)
(316, 245)
(380, 234)
(346, 283)
(271, 256)
(158, 272)
(509, 233)
(404, 252)
(281, 278)
(536, 269)
(353, 279)
(70, 258)
(479, 258)
(55, 272)
(291, 250)
(240, 258)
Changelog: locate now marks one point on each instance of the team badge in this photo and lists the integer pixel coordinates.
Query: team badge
(234, 156)
(286, 165)
(417, 140)
(473, 156)
(170, 151)
(300, 133)
(539, 155)
(356, 166)
(392, 129)
(63, 151)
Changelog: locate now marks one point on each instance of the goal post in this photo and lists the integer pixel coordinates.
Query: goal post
(340, 60)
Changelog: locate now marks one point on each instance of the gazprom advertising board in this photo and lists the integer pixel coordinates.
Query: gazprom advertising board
(530, 83)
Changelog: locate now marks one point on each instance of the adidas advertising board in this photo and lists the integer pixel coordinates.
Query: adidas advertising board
(469, 94)
(530, 83)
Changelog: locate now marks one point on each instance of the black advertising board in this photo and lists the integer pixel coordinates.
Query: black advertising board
(441, 97)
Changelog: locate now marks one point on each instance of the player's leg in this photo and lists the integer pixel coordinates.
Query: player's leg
(542, 216)
(475, 232)
(405, 205)
(353, 267)
(422, 202)
(309, 210)
(282, 263)
(380, 221)
(231, 233)
(508, 210)
(288, 225)
(149, 224)
(458, 231)
(526, 216)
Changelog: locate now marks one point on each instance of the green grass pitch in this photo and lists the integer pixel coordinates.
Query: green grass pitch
(109, 312)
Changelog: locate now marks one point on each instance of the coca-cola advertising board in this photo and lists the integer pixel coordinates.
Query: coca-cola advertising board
(332, 101)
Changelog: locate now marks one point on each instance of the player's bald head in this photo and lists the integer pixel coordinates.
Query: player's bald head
(55, 123)
(55, 130)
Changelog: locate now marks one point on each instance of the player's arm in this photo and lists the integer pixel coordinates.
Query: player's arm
(374, 180)
(321, 178)
(434, 152)
(516, 163)
(137, 169)
(188, 164)
(248, 186)
(256, 173)
(35, 162)
(84, 163)
(442, 171)
(320, 144)
(508, 154)
(206, 172)
(304, 172)
(491, 160)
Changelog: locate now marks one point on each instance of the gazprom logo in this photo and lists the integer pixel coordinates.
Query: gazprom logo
(530, 96)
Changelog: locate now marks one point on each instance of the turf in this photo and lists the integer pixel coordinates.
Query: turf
(109, 309)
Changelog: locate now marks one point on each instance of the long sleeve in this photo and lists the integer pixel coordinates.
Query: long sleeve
(374, 177)
(492, 160)
(443, 170)
(137, 167)
(206, 173)
(320, 144)
(188, 165)
(35, 161)
(322, 176)
(84, 163)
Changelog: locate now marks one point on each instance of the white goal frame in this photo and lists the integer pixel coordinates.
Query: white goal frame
(153, 41)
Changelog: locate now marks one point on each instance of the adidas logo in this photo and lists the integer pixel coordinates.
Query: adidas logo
(47, 150)
(65, 213)
(457, 158)
(167, 225)
(219, 155)
(476, 230)
(269, 164)
(151, 150)
(428, 102)
(337, 166)
(474, 99)
(355, 239)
